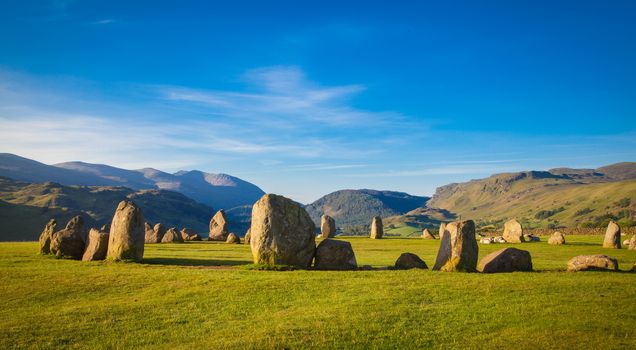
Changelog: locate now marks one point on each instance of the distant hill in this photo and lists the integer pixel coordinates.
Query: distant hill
(357, 207)
(25, 208)
(559, 197)
(220, 191)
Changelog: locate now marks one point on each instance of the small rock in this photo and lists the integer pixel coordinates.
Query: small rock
(498, 239)
(506, 260)
(426, 234)
(172, 236)
(592, 263)
(487, 240)
(632, 243)
(557, 238)
(410, 261)
(334, 254)
(233, 238)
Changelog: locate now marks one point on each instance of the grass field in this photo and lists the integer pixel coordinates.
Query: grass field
(198, 296)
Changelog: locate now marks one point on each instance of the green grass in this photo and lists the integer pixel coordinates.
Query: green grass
(199, 296)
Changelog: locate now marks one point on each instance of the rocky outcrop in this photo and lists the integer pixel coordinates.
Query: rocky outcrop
(233, 238)
(69, 242)
(506, 260)
(377, 230)
(96, 245)
(281, 233)
(612, 236)
(218, 227)
(410, 261)
(557, 238)
(513, 232)
(127, 233)
(172, 236)
(426, 234)
(333, 254)
(592, 263)
(327, 226)
(458, 248)
(46, 236)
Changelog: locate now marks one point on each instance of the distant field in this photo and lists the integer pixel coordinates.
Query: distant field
(198, 296)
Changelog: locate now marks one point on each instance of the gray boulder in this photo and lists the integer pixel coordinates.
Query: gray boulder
(127, 233)
(69, 242)
(410, 261)
(593, 263)
(96, 245)
(458, 249)
(334, 254)
(506, 260)
(46, 236)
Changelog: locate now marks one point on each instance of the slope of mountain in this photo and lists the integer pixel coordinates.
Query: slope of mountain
(559, 197)
(357, 207)
(25, 208)
(220, 191)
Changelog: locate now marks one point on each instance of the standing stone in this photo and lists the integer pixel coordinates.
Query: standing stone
(557, 238)
(248, 236)
(410, 261)
(513, 232)
(377, 231)
(281, 233)
(442, 230)
(592, 263)
(327, 226)
(612, 236)
(172, 236)
(506, 260)
(333, 254)
(218, 227)
(69, 242)
(188, 234)
(148, 231)
(632, 243)
(426, 234)
(458, 248)
(96, 245)
(46, 236)
(156, 235)
(127, 233)
(233, 238)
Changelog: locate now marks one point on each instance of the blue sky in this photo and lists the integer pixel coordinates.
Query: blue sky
(304, 98)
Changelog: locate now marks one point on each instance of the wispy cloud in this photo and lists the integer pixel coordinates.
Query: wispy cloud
(104, 21)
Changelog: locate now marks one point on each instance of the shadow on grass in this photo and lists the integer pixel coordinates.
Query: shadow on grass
(194, 262)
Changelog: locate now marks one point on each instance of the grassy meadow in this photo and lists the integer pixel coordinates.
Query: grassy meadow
(200, 295)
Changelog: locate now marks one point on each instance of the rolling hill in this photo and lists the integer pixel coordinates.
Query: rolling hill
(25, 208)
(357, 207)
(220, 191)
(558, 197)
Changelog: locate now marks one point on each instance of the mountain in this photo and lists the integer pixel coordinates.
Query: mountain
(25, 207)
(357, 207)
(220, 191)
(558, 197)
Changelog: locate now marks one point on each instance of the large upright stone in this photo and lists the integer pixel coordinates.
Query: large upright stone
(334, 254)
(442, 230)
(506, 260)
(69, 242)
(612, 236)
(377, 231)
(458, 248)
(281, 233)
(127, 233)
(218, 227)
(426, 234)
(46, 236)
(96, 245)
(327, 226)
(513, 232)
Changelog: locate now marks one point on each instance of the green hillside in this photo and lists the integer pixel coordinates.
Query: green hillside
(25, 208)
(356, 207)
(540, 200)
